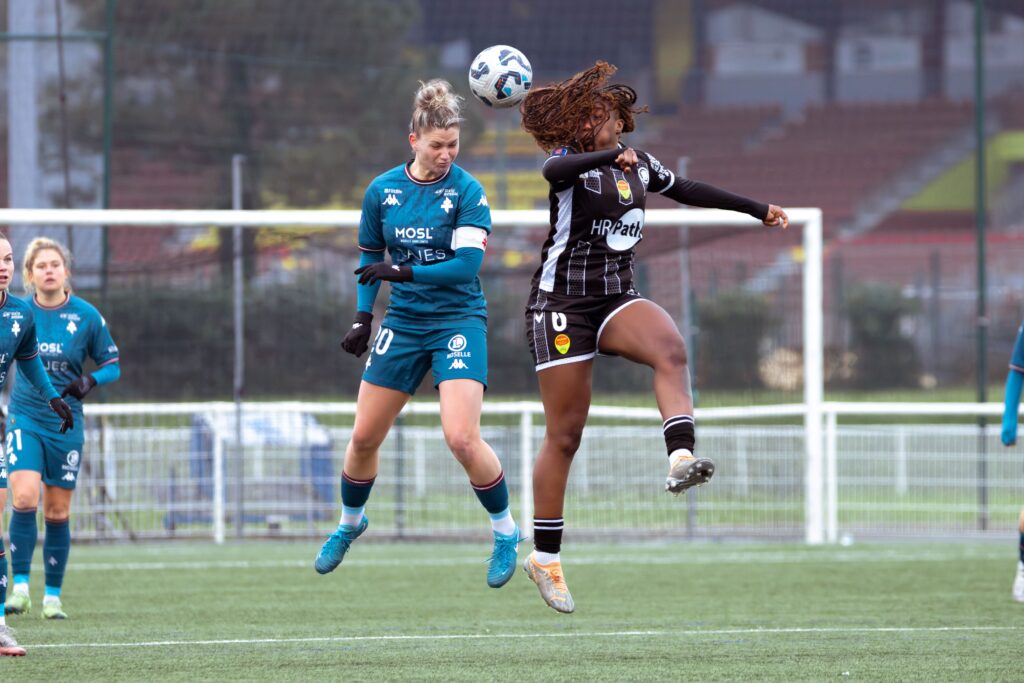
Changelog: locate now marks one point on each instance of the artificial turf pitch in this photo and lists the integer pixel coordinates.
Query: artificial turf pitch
(681, 611)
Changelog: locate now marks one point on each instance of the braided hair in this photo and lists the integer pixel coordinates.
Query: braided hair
(554, 114)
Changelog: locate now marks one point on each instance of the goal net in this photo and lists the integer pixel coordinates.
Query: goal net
(211, 306)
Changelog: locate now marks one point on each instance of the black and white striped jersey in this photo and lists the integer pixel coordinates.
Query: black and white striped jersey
(597, 219)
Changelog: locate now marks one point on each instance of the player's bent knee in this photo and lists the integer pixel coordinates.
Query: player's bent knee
(363, 445)
(567, 442)
(25, 498)
(673, 354)
(463, 445)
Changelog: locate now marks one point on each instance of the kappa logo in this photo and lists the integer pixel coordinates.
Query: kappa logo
(483, 201)
(391, 200)
(458, 364)
(52, 561)
(68, 476)
(447, 204)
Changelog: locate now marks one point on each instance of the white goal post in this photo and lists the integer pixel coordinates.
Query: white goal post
(808, 220)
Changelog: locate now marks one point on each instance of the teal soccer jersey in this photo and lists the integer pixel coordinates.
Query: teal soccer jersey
(68, 334)
(414, 222)
(17, 342)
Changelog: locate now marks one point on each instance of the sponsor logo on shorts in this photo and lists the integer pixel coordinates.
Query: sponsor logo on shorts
(71, 459)
(562, 343)
(458, 364)
(457, 343)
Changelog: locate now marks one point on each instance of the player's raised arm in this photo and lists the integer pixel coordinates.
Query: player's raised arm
(1011, 395)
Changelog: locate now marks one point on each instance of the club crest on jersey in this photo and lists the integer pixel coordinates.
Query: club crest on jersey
(72, 327)
(447, 204)
(623, 187)
(16, 328)
(644, 174)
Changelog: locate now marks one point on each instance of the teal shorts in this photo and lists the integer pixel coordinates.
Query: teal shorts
(399, 358)
(56, 457)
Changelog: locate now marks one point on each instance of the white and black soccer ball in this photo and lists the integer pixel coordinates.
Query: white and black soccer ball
(500, 76)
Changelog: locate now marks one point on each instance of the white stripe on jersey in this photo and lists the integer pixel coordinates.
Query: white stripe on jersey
(671, 181)
(561, 238)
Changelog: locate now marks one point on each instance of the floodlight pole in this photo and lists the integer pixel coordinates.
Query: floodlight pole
(237, 162)
(981, 369)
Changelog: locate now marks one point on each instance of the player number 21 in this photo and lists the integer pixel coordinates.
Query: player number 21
(11, 436)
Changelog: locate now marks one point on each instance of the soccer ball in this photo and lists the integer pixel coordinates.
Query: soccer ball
(500, 76)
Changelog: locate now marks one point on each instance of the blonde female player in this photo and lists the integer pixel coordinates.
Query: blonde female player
(18, 342)
(70, 331)
(433, 219)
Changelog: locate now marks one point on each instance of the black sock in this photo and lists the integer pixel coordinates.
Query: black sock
(547, 534)
(678, 432)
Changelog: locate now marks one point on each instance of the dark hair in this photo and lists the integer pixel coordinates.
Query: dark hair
(555, 114)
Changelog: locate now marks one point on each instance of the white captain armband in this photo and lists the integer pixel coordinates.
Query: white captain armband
(469, 237)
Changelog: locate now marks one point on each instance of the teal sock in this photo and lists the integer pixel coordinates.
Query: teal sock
(355, 492)
(56, 548)
(1022, 546)
(493, 496)
(24, 534)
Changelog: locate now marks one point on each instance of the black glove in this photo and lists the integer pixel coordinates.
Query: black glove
(358, 338)
(375, 272)
(3, 429)
(63, 410)
(79, 387)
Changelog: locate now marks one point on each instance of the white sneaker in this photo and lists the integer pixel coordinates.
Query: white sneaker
(686, 471)
(1018, 583)
(8, 645)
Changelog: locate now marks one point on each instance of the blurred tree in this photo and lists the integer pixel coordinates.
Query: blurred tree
(885, 354)
(315, 93)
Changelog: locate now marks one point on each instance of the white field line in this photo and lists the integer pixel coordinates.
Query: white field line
(504, 636)
(837, 557)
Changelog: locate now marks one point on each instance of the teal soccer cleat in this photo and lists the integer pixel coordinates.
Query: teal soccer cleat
(503, 558)
(336, 545)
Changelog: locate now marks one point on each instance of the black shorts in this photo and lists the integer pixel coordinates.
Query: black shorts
(567, 329)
